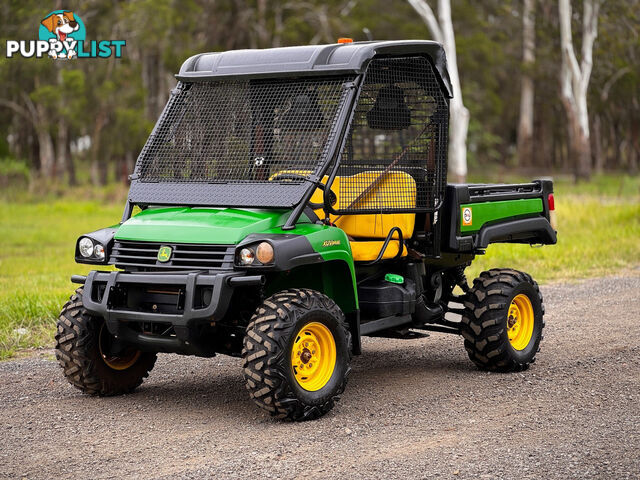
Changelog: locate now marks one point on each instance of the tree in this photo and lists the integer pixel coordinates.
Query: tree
(525, 124)
(442, 31)
(95, 114)
(574, 81)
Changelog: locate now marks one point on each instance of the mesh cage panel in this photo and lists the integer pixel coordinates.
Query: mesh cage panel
(395, 159)
(249, 132)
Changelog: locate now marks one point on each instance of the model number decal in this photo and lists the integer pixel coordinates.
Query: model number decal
(467, 216)
(330, 243)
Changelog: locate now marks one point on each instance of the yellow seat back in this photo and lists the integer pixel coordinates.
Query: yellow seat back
(394, 189)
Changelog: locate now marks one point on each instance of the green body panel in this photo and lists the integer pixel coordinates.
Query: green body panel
(486, 212)
(334, 247)
(335, 277)
(198, 225)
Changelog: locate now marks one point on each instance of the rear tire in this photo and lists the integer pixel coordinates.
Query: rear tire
(279, 369)
(503, 320)
(81, 341)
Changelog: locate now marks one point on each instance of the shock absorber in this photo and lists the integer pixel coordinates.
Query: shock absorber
(461, 278)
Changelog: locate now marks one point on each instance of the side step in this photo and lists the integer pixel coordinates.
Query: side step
(383, 323)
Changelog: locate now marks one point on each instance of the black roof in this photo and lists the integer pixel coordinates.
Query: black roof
(310, 60)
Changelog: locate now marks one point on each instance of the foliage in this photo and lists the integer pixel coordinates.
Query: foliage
(13, 174)
(113, 103)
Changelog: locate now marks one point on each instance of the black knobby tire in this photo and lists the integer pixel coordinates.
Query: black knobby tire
(78, 353)
(484, 322)
(267, 368)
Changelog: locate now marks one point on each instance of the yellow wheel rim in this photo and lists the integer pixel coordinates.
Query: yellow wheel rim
(520, 320)
(117, 362)
(313, 356)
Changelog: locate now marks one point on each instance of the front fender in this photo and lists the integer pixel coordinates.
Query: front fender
(307, 245)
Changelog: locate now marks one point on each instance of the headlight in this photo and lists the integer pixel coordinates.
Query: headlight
(264, 253)
(94, 248)
(98, 252)
(247, 256)
(86, 247)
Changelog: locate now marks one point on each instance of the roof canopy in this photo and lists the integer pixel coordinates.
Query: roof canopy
(310, 60)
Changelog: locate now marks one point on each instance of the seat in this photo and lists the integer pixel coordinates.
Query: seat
(368, 250)
(368, 231)
(396, 189)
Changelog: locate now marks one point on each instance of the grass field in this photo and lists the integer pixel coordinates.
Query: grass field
(599, 234)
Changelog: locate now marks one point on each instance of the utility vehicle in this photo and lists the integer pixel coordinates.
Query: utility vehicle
(288, 202)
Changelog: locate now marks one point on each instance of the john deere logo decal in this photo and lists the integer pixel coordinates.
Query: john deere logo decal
(164, 254)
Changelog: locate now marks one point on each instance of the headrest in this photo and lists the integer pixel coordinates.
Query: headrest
(390, 112)
(304, 113)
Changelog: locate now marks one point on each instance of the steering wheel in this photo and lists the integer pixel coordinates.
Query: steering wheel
(333, 198)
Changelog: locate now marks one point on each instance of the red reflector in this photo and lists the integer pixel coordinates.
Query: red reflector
(552, 202)
(345, 40)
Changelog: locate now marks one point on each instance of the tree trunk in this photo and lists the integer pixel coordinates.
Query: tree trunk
(278, 25)
(458, 141)
(459, 113)
(35, 114)
(96, 171)
(574, 78)
(71, 168)
(442, 31)
(152, 75)
(525, 125)
(262, 29)
(103, 169)
(581, 148)
(598, 153)
(45, 142)
(47, 155)
(61, 148)
(634, 151)
(130, 163)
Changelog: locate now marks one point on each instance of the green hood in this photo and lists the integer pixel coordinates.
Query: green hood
(198, 225)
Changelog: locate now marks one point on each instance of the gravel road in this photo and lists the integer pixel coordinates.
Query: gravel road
(412, 409)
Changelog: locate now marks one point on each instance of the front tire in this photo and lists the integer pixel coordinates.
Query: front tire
(90, 357)
(297, 354)
(503, 320)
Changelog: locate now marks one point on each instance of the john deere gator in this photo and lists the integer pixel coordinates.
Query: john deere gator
(288, 202)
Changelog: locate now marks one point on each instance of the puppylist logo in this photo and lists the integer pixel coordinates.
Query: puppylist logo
(62, 35)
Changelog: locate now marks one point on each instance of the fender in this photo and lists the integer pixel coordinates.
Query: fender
(525, 230)
(314, 256)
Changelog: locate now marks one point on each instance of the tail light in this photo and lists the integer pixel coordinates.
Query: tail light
(552, 212)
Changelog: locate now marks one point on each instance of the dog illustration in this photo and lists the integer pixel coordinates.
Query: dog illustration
(61, 25)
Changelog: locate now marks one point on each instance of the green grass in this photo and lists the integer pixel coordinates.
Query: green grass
(599, 234)
(37, 244)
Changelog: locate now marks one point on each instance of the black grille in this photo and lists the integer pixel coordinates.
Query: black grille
(241, 131)
(144, 256)
(395, 159)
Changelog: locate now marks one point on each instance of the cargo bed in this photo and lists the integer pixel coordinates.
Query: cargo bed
(476, 215)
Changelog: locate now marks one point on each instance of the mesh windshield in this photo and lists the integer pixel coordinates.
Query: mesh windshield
(242, 131)
(395, 155)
